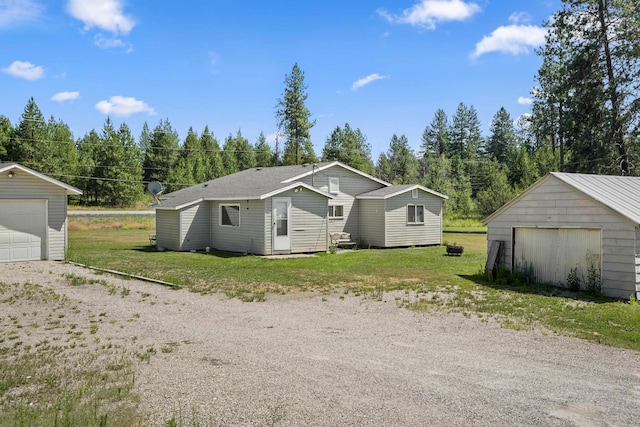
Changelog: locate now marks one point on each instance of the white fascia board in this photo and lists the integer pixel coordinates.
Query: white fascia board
(178, 207)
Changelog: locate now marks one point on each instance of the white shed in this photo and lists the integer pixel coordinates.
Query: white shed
(33, 215)
(573, 226)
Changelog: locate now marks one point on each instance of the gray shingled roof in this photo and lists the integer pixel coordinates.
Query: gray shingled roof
(619, 193)
(393, 190)
(248, 184)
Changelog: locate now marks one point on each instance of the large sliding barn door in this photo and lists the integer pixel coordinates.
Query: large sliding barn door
(553, 252)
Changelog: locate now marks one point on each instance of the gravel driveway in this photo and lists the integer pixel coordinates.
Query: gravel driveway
(308, 359)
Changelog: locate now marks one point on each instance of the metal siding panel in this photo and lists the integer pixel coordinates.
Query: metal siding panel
(553, 252)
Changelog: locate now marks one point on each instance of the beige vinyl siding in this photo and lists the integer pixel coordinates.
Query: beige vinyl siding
(194, 225)
(372, 222)
(168, 229)
(351, 185)
(399, 233)
(308, 221)
(555, 204)
(26, 186)
(248, 237)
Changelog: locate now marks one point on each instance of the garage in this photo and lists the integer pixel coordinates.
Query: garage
(572, 229)
(23, 230)
(33, 215)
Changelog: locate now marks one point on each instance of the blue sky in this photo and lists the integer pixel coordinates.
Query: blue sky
(383, 66)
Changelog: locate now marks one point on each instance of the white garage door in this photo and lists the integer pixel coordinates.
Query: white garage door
(554, 252)
(23, 230)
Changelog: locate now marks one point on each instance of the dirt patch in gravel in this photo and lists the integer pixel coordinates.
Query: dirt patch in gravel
(310, 359)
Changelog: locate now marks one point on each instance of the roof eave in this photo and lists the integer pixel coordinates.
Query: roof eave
(332, 164)
(71, 189)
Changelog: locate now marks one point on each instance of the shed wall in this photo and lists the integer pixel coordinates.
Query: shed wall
(27, 186)
(555, 204)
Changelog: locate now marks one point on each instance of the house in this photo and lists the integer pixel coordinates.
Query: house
(33, 215)
(573, 226)
(294, 209)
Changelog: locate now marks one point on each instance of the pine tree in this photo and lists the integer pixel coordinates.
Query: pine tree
(403, 165)
(501, 144)
(349, 147)
(245, 156)
(117, 162)
(160, 152)
(87, 146)
(229, 159)
(5, 137)
(214, 167)
(465, 137)
(61, 154)
(264, 156)
(588, 99)
(293, 119)
(435, 138)
(29, 143)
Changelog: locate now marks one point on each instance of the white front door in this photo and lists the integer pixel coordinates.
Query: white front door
(281, 224)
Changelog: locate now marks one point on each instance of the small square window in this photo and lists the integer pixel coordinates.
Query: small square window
(230, 215)
(336, 211)
(334, 185)
(414, 193)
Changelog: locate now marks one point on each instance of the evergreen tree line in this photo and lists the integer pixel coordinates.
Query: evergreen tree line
(585, 118)
(111, 166)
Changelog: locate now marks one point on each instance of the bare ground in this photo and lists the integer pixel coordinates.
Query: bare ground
(309, 359)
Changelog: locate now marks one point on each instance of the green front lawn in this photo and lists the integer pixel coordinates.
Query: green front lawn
(431, 281)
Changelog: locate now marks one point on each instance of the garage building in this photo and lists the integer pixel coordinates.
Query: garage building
(568, 226)
(33, 215)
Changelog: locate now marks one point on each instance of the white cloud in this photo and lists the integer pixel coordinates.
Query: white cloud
(65, 96)
(122, 106)
(513, 39)
(24, 70)
(427, 13)
(14, 12)
(104, 14)
(107, 43)
(524, 101)
(519, 18)
(366, 80)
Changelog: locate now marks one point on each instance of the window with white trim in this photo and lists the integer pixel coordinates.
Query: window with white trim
(414, 193)
(334, 185)
(230, 215)
(415, 214)
(336, 211)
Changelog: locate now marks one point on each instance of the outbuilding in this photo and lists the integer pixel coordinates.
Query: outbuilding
(572, 229)
(33, 214)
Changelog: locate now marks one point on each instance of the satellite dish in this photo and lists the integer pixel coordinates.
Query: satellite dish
(155, 188)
